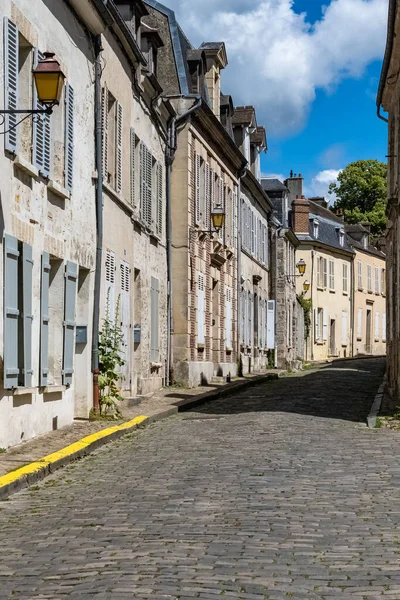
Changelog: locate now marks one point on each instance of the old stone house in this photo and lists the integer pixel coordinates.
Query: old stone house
(289, 335)
(369, 290)
(328, 256)
(389, 99)
(205, 176)
(255, 209)
(48, 224)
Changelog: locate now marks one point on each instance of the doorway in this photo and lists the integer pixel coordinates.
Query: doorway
(332, 338)
(368, 345)
(215, 322)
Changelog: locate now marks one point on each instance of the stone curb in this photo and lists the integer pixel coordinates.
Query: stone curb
(25, 476)
(376, 405)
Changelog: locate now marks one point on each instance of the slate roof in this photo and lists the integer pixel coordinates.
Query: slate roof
(370, 249)
(327, 234)
(212, 45)
(259, 137)
(273, 185)
(357, 227)
(244, 115)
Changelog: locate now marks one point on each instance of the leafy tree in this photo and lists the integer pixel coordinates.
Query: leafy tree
(362, 193)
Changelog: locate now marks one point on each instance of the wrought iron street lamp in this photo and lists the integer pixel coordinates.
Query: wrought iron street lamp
(49, 81)
(306, 286)
(301, 267)
(217, 222)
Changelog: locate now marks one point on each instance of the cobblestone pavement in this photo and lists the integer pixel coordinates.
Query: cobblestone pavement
(280, 492)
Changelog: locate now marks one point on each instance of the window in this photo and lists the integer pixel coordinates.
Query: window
(200, 309)
(369, 278)
(384, 327)
(377, 325)
(359, 275)
(331, 275)
(154, 320)
(345, 279)
(228, 319)
(325, 267)
(344, 328)
(322, 272)
(319, 325)
(383, 282)
(112, 117)
(316, 228)
(151, 190)
(377, 280)
(359, 323)
(341, 237)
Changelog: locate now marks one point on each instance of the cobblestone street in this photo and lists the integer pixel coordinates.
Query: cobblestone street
(280, 492)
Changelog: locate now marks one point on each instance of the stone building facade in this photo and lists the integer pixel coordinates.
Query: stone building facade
(48, 225)
(389, 99)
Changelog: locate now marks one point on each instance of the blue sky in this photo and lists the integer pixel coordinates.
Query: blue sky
(311, 69)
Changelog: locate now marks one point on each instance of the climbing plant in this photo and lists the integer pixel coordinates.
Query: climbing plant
(111, 350)
(306, 304)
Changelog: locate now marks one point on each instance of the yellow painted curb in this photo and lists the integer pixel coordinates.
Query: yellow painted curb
(47, 461)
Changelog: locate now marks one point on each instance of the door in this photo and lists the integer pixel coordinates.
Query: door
(215, 323)
(125, 313)
(332, 338)
(368, 344)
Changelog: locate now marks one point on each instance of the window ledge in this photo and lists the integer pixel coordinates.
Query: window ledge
(359, 338)
(321, 289)
(26, 166)
(155, 365)
(117, 197)
(21, 391)
(58, 189)
(201, 346)
(320, 343)
(345, 293)
(49, 389)
(332, 291)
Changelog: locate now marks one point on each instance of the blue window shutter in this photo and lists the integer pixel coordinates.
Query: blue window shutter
(69, 137)
(71, 284)
(27, 268)
(118, 148)
(11, 312)
(133, 168)
(11, 84)
(159, 199)
(44, 320)
(41, 131)
(154, 335)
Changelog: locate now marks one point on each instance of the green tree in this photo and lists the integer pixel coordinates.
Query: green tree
(361, 192)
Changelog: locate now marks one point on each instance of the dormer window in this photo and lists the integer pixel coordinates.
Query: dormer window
(150, 43)
(315, 228)
(365, 242)
(341, 237)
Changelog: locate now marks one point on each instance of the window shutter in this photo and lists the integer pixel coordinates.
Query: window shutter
(359, 269)
(125, 320)
(212, 178)
(325, 273)
(159, 198)
(149, 187)
(143, 194)
(69, 136)
(118, 148)
(71, 285)
(260, 312)
(253, 233)
(316, 324)
(11, 60)
(27, 268)
(377, 324)
(104, 118)
(133, 167)
(383, 327)
(271, 324)
(200, 310)
(319, 272)
(208, 195)
(41, 131)
(110, 282)
(331, 275)
(221, 203)
(11, 312)
(359, 323)
(246, 317)
(44, 323)
(344, 328)
(233, 217)
(197, 188)
(228, 319)
(369, 272)
(325, 325)
(154, 292)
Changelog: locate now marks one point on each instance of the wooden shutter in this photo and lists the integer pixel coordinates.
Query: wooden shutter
(118, 147)
(27, 268)
(331, 275)
(359, 272)
(384, 327)
(252, 315)
(154, 333)
(325, 273)
(104, 118)
(11, 60)
(316, 324)
(208, 195)
(344, 328)
(369, 271)
(159, 199)
(69, 137)
(377, 324)
(11, 312)
(110, 282)
(228, 318)
(325, 325)
(133, 167)
(246, 318)
(359, 323)
(44, 320)
(41, 131)
(197, 210)
(143, 194)
(259, 322)
(253, 235)
(221, 204)
(149, 187)
(319, 278)
(71, 285)
(200, 310)
(212, 179)
(271, 324)
(125, 314)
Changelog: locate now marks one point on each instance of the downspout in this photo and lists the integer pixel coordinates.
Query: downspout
(312, 306)
(239, 260)
(99, 222)
(170, 151)
(277, 232)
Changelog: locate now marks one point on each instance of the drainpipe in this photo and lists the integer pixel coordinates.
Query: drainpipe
(239, 261)
(170, 151)
(99, 223)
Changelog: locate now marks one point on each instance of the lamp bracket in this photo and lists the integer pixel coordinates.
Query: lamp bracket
(27, 112)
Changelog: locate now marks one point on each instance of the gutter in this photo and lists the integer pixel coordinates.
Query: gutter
(387, 57)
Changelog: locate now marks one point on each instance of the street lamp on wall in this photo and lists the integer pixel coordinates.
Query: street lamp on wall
(301, 267)
(217, 222)
(49, 82)
(306, 286)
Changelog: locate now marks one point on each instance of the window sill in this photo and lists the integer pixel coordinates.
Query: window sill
(360, 289)
(50, 389)
(201, 347)
(117, 197)
(320, 343)
(155, 365)
(21, 391)
(332, 291)
(58, 190)
(345, 293)
(321, 289)
(359, 338)
(26, 166)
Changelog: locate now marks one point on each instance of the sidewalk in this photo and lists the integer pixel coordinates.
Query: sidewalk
(31, 461)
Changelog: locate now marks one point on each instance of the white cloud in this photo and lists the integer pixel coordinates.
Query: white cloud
(277, 59)
(319, 185)
(273, 176)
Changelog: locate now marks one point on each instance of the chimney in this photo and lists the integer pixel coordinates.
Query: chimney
(295, 186)
(366, 225)
(300, 215)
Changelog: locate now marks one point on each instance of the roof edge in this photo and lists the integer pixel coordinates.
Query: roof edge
(388, 51)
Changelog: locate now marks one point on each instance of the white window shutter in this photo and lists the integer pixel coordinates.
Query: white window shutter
(200, 309)
(207, 187)
(69, 137)
(133, 167)
(221, 204)
(344, 328)
(159, 199)
(143, 193)
(149, 185)
(118, 148)
(104, 119)
(271, 324)
(359, 322)
(71, 286)
(377, 325)
(110, 282)
(325, 273)
(316, 324)
(41, 131)
(11, 64)
(384, 327)
(228, 319)
(325, 325)
(197, 209)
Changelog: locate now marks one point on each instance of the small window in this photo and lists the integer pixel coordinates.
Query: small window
(341, 237)
(345, 279)
(359, 275)
(316, 228)
(331, 275)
